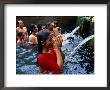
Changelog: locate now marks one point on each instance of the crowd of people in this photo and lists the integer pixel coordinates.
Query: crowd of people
(49, 41)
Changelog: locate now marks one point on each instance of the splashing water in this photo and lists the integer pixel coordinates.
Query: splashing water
(83, 42)
(69, 35)
(79, 57)
(75, 30)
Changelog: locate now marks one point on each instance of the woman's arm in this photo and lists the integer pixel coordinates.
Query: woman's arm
(60, 57)
(59, 53)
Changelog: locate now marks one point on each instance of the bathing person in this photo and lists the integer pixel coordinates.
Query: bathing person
(20, 36)
(21, 28)
(33, 38)
(50, 26)
(44, 26)
(56, 28)
(39, 26)
(50, 57)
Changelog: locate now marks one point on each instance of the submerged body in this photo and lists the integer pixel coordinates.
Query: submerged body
(48, 62)
(21, 28)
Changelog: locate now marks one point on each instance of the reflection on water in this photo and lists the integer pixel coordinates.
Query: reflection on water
(80, 61)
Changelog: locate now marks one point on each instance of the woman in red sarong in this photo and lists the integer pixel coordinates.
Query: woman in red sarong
(50, 57)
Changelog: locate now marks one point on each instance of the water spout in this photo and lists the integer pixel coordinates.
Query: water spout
(67, 35)
(77, 28)
(83, 42)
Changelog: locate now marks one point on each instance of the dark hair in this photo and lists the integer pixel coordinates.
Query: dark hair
(20, 34)
(42, 37)
(39, 26)
(56, 23)
(32, 27)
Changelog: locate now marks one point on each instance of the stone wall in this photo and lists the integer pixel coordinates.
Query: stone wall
(67, 23)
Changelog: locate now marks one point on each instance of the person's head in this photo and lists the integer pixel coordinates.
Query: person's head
(20, 23)
(33, 28)
(44, 40)
(55, 24)
(50, 26)
(44, 26)
(20, 35)
(39, 26)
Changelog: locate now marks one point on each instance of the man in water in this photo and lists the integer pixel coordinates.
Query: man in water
(21, 28)
(56, 28)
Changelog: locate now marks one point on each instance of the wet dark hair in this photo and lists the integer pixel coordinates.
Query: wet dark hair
(45, 26)
(20, 34)
(42, 37)
(39, 26)
(32, 27)
(56, 23)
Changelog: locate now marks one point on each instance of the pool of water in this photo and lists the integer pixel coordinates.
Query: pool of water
(79, 62)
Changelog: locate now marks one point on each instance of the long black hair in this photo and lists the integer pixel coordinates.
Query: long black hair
(31, 28)
(42, 37)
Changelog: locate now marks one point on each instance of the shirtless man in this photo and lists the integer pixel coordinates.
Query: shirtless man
(32, 37)
(56, 29)
(21, 28)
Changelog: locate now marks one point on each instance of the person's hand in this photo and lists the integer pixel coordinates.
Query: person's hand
(57, 42)
(60, 37)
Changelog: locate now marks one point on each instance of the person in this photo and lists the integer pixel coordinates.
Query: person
(39, 26)
(21, 28)
(50, 26)
(56, 28)
(50, 57)
(44, 26)
(20, 38)
(32, 38)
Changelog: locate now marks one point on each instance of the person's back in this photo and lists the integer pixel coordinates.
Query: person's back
(33, 39)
